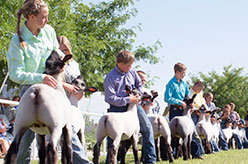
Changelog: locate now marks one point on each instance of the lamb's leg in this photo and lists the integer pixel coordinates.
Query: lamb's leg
(96, 153)
(14, 147)
(175, 144)
(42, 148)
(163, 151)
(52, 156)
(185, 148)
(124, 146)
(135, 139)
(189, 145)
(113, 149)
(157, 148)
(67, 145)
(208, 147)
(168, 149)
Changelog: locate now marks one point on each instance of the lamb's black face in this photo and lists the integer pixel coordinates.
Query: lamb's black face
(79, 82)
(54, 64)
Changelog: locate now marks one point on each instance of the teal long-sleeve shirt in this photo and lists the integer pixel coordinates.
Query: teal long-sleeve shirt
(176, 91)
(26, 65)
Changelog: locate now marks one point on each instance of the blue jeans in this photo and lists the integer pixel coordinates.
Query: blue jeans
(245, 142)
(214, 146)
(222, 141)
(146, 131)
(196, 146)
(238, 140)
(194, 117)
(246, 132)
(24, 153)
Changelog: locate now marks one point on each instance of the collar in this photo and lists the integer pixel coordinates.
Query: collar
(27, 34)
(175, 80)
(119, 71)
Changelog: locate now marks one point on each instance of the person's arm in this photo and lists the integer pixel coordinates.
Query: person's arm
(16, 65)
(111, 95)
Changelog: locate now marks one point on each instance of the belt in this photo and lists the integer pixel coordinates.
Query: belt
(177, 106)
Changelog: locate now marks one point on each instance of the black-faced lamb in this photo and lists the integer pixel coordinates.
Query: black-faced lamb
(183, 127)
(46, 111)
(119, 127)
(77, 118)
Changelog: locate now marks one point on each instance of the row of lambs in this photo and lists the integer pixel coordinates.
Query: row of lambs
(208, 128)
(119, 128)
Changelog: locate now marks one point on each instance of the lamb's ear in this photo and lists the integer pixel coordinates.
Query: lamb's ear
(66, 58)
(128, 89)
(90, 89)
(155, 94)
(80, 77)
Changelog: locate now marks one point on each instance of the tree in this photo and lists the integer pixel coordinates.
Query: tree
(231, 86)
(96, 31)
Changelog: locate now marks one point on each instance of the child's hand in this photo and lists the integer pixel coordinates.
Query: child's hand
(134, 99)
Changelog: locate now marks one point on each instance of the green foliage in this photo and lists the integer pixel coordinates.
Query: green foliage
(96, 31)
(8, 10)
(90, 132)
(230, 86)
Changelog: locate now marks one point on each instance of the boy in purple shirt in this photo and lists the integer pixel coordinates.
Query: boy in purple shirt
(118, 99)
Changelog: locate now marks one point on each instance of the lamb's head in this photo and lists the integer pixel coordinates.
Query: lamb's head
(188, 100)
(81, 85)
(203, 109)
(134, 92)
(54, 64)
(147, 98)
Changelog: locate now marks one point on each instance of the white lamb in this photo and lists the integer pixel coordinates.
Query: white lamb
(119, 127)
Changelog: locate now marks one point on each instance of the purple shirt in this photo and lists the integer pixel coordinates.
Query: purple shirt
(114, 86)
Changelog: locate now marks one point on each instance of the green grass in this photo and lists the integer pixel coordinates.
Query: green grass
(223, 157)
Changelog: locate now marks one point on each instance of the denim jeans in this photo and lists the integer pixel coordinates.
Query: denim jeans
(238, 140)
(246, 132)
(146, 131)
(24, 153)
(148, 137)
(194, 117)
(214, 146)
(222, 141)
(245, 142)
(196, 146)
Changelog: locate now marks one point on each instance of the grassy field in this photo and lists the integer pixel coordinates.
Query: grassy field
(223, 157)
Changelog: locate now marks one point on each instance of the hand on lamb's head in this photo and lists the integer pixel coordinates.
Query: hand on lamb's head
(187, 102)
(134, 94)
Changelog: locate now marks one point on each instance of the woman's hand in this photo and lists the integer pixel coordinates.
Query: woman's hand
(49, 80)
(73, 90)
(77, 94)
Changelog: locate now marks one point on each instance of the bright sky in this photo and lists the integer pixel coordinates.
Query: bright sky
(205, 35)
